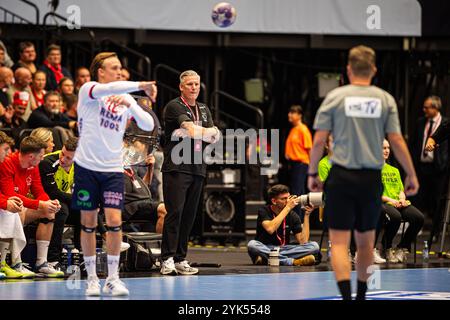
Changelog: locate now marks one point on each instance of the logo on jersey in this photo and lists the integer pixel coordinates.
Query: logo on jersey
(363, 107)
(83, 195)
(113, 198)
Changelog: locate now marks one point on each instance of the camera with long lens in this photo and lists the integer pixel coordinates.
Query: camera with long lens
(137, 143)
(312, 199)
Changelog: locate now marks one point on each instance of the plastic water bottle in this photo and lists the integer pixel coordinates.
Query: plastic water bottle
(75, 257)
(64, 258)
(329, 250)
(425, 252)
(100, 261)
(274, 257)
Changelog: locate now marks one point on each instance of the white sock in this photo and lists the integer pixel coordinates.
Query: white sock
(113, 265)
(3, 250)
(42, 250)
(15, 254)
(89, 263)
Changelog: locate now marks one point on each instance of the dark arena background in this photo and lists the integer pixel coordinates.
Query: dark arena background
(275, 55)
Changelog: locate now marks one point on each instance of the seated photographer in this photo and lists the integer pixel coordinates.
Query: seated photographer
(138, 202)
(274, 225)
(396, 208)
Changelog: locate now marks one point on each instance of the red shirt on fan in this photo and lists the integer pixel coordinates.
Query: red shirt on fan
(16, 181)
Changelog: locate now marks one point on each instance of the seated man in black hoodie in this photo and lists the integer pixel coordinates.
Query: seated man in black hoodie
(48, 115)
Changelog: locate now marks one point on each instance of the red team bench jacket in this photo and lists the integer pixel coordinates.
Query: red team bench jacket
(16, 181)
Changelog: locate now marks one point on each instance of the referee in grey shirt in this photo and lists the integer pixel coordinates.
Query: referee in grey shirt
(358, 116)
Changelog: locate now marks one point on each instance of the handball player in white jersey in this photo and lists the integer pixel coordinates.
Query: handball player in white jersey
(104, 108)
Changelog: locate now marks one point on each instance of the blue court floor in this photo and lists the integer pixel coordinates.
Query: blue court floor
(389, 284)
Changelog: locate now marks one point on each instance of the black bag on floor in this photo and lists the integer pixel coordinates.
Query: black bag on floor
(144, 251)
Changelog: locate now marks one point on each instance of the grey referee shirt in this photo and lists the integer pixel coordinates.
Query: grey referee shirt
(359, 118)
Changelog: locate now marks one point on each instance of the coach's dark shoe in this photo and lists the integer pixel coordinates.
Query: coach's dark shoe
(305, 261)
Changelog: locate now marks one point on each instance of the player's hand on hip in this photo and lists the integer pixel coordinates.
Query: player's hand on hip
(150, 89)
(411, 185)
(314, 184)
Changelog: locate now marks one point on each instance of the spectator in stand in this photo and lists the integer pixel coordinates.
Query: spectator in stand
(52, 67)
(125, 74)
(72, 103)
(12, 117)
(19, 176)
(49, 115)
(45, 135)
(22, 83)
(5, 59)
(27, 58)
(37, 87)
(65, 88)
(82, 76)
(6, 80)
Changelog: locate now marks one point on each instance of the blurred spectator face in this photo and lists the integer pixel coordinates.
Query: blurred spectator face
(66, 158)
(54, 57)
(6, 77)
(110, 71)
(83, 76)
(386, 149)
(20, 102)
(293, 117)
(429, 110)
(67, 87)
(50, 145)
(52, 104)
(125, 75)
(2, 57)
(5, 149)
(28, 54)
(39, 81)
(23, 77)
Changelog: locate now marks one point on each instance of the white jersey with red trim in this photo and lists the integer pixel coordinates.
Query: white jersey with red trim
(102, 124)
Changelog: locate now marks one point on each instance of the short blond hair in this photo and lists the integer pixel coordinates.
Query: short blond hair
(98, 61)
(42, 134)
(362, 61)
(188, 73)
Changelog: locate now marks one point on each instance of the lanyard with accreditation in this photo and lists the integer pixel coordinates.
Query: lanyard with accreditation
(198, 142)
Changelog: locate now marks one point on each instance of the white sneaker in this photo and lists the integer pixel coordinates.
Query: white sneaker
(183, 267)
(2, 276)
(391, 256)
(377, 258)
(23, 269)
(124, 246)
(168, 267)
(401, 255)
(92, 286)
(47, 271)
(115, 287)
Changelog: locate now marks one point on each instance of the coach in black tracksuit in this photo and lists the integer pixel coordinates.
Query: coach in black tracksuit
(183, 178)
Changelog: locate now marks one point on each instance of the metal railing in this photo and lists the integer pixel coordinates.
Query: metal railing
(140, 57)
(35, 7)
(14, 16)
(256, 110)
(173, 91)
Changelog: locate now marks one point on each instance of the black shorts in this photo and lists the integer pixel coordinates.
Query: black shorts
(353, 199)
(93, 189)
